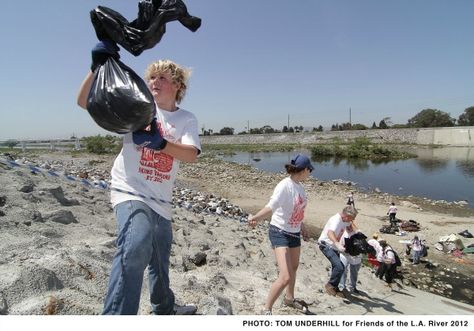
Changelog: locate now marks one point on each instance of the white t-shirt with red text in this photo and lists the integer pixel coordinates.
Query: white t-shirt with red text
(287, 203)
(152, 173)
(335, 224)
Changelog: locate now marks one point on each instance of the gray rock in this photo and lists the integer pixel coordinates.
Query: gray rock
(27, 188)
(58, 194)
(31, 198)
(216, 305)
(199, 259)
(36, 216)
(62, 216)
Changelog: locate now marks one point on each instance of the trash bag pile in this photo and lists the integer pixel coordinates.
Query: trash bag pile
(389, 228)
(410, 226)
(119, 100)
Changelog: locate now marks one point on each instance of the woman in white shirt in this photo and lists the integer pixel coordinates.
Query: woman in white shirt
(416, 248)
(286, 208)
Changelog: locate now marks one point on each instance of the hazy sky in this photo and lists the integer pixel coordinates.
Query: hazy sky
(252, 60)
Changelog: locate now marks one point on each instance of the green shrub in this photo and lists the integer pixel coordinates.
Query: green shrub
(102, 145)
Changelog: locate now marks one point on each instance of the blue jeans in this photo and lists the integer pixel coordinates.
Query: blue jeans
(144, 239)
(336, 264)
(354, 273)
(416, 256)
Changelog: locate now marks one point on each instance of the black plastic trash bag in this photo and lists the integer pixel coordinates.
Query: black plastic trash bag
(145, 31)
(466, 234)
(357, 244)
(119, 100)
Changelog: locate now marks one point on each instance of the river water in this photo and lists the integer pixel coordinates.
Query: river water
(445, 173)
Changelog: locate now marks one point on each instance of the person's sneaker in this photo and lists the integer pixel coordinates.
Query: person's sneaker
(266, 312)
(356, 291)
(330, 289)
(185, 310)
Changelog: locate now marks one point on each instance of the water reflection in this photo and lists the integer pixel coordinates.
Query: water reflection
(467, 167)
(432, 165)
(439, 173)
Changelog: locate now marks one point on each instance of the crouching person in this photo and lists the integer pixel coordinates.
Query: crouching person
(329, 244)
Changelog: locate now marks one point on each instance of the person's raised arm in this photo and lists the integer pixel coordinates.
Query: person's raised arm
(100, 53)
(84, 90)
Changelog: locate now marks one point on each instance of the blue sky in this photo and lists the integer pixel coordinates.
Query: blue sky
(253, 61)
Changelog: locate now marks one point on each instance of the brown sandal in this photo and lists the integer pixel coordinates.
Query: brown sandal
(296, 303)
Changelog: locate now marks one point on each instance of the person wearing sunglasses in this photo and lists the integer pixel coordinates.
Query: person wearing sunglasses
(286, 209)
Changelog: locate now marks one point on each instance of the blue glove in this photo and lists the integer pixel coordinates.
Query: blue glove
(150, 139)
(102, 51)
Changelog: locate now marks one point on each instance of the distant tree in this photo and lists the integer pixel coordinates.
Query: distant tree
(383, 125)
(226, 131)
(345, 126)
(11, 143)
(431, 118)
(243, 132)
(267, 129)
(387, 121)
(255, 131)
(335, 127)
(318, 129)
(374, 126)
(290, 129)
(358, 126)
(285, 129)
(467, 118)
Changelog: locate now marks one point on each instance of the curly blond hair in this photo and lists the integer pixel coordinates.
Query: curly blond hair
(179, 74)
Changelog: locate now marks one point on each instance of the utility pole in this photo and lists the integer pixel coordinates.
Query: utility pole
(248, 126)
(350, 117)
(288, 121)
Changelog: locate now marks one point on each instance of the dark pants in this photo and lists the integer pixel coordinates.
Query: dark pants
(389, 270)
(336, 264)
(392, 217)
(380, 270)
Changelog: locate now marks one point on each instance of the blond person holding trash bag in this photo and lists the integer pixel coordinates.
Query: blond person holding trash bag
(146, 168)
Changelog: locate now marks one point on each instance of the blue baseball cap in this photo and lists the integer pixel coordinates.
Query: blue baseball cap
(301, 161)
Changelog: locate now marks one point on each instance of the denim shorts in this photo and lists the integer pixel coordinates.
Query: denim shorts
(280, 238)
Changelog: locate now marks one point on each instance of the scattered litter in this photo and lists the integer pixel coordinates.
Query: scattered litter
(466, 234)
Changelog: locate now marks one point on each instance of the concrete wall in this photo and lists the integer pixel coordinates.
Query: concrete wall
(455, 136)
(458, 136)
